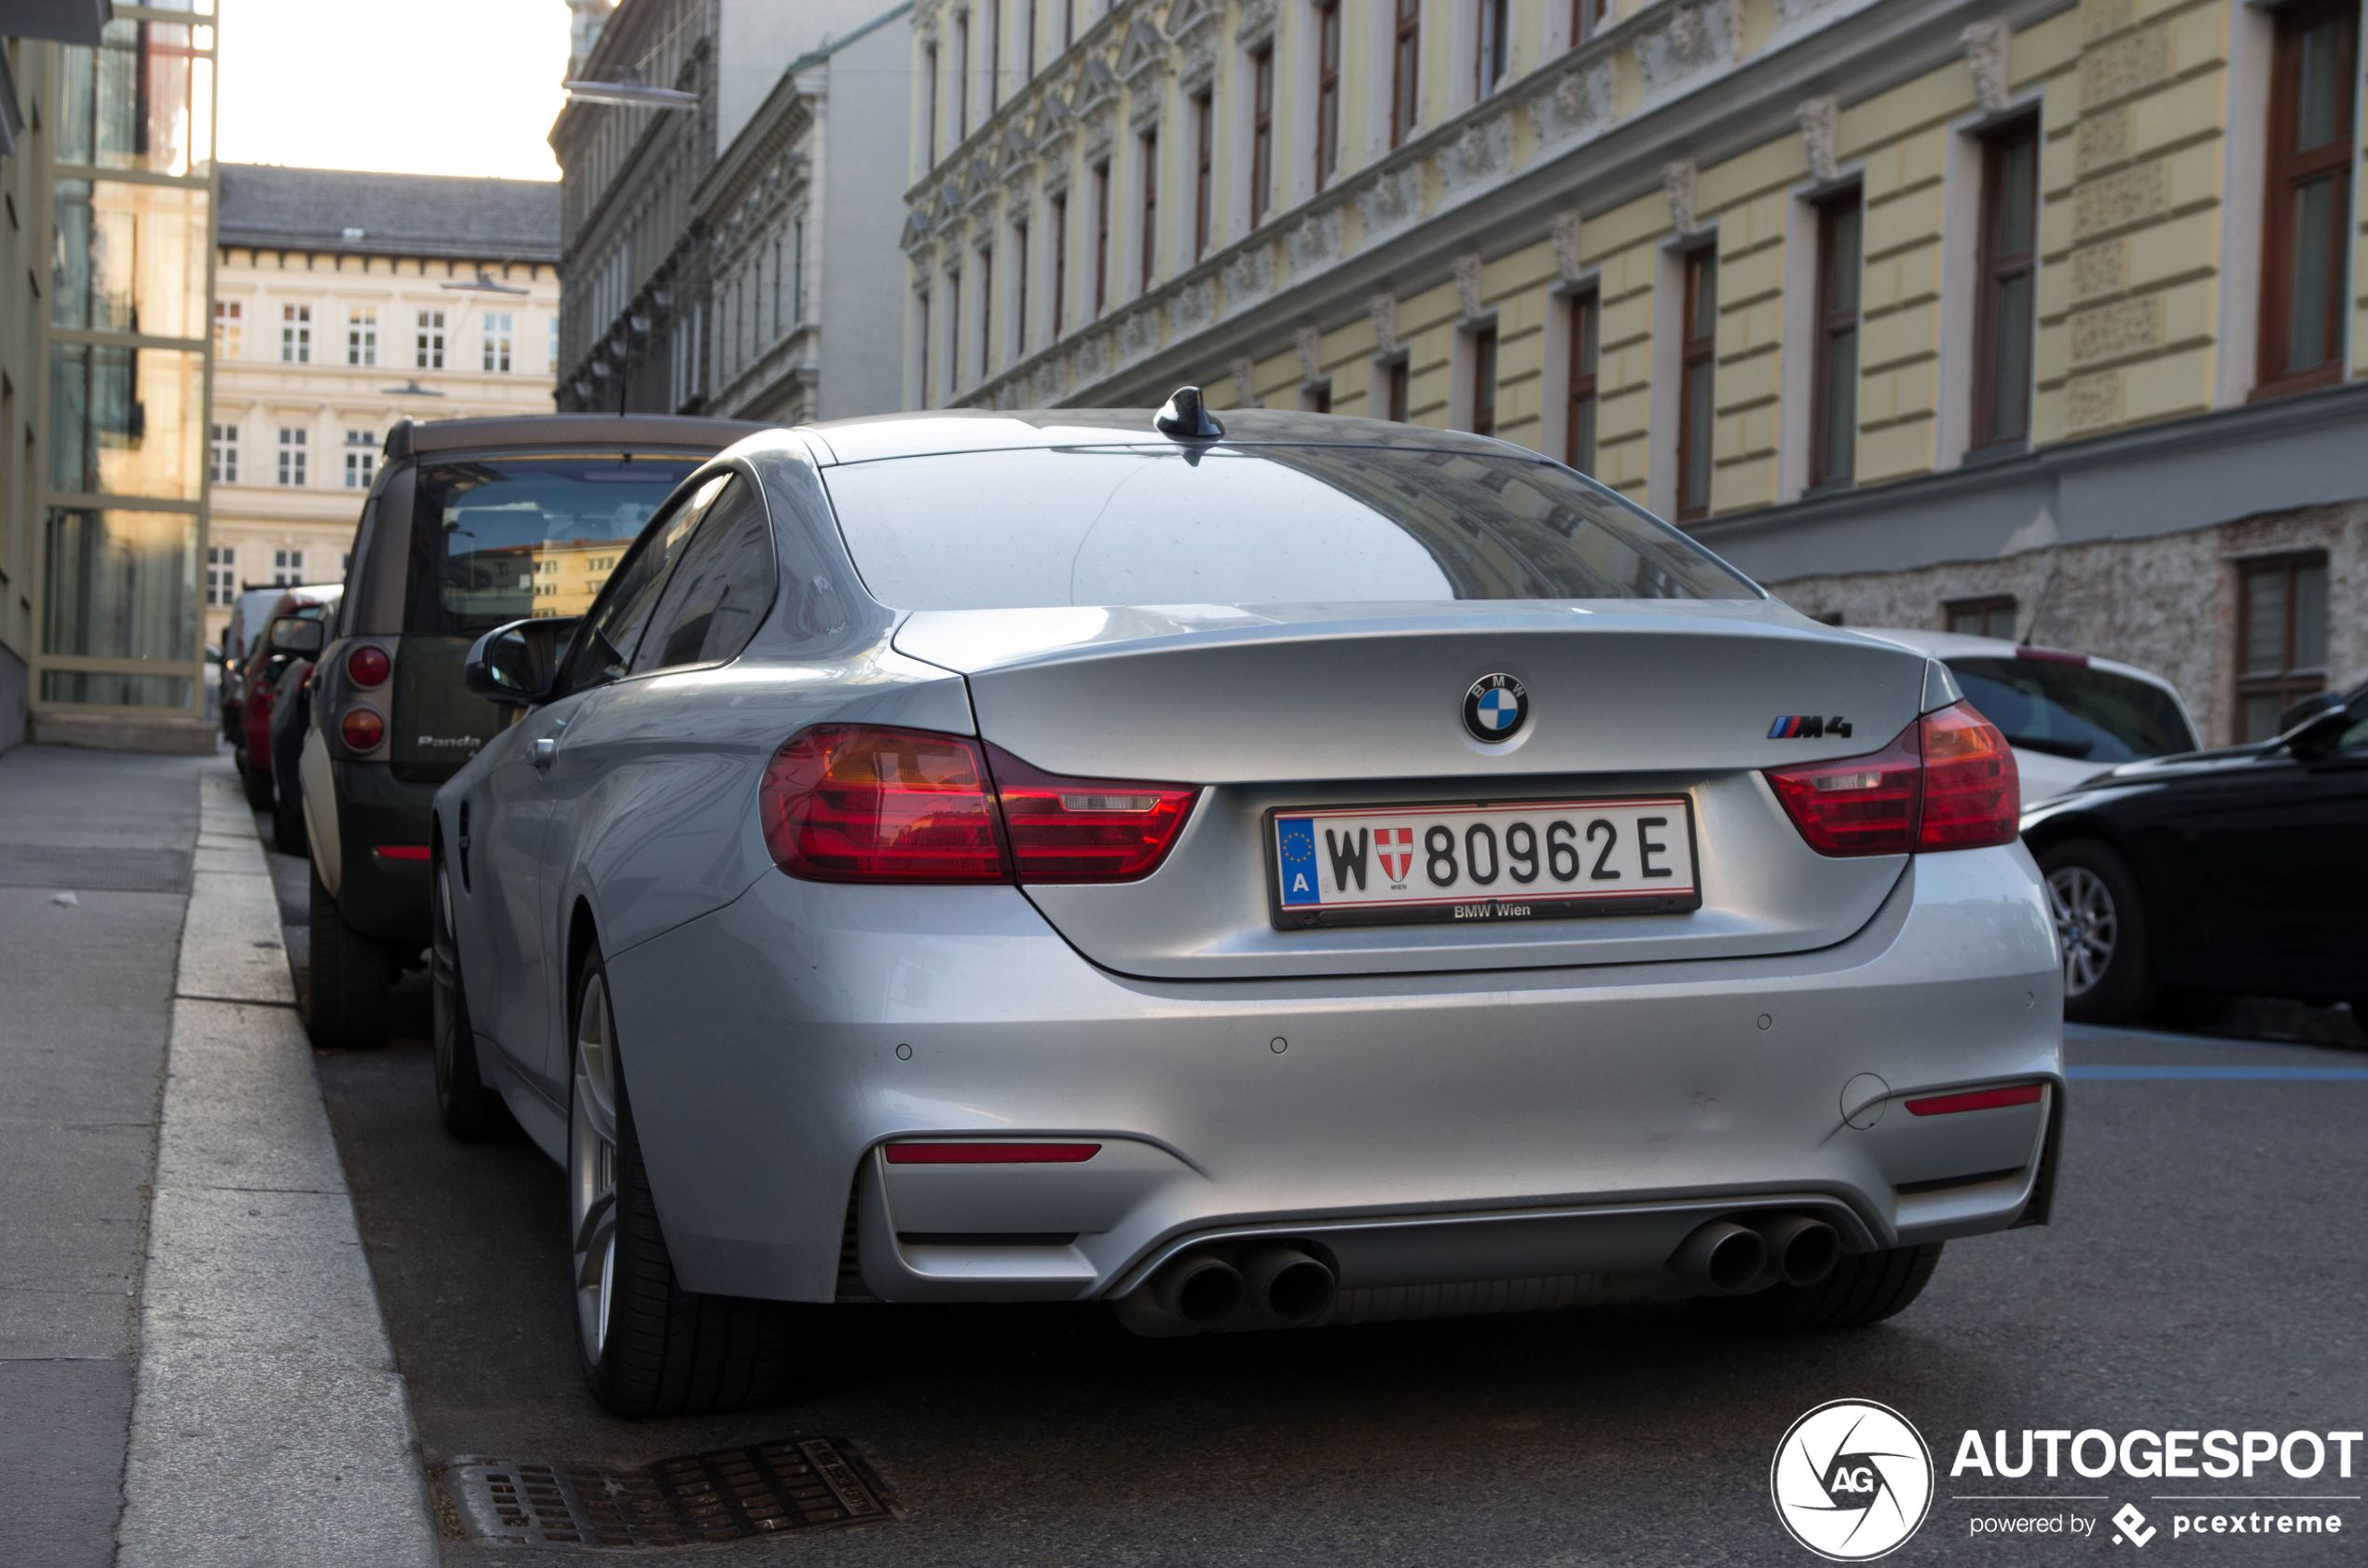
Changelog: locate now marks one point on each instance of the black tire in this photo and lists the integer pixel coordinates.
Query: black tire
(257, 782)
(346, 1002)
(667, 1350)
(287, 826)
(2100, 925)
(470, 1108)
(1864, 1288)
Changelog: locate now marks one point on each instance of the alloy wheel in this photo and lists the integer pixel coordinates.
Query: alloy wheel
(592, 1165)
(2086, 927)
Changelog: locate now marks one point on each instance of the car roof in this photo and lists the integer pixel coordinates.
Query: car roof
(605, 431)
(1947, 645)
(975, 430)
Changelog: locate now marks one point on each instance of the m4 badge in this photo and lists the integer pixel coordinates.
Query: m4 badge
(1808, 726)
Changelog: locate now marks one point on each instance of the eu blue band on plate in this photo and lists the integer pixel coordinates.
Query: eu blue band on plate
(1295, 846)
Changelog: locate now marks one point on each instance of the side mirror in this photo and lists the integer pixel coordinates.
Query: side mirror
(515, 664)
(298, 636)
(2311, 727)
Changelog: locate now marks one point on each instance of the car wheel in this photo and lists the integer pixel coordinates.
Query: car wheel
(287, 826)
(470, 1109)
(1864, 1288)
(257, 782)
(2100, 928)
(648, 1347)
(346, 1003)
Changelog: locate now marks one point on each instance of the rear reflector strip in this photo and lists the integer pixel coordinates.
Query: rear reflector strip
(402, 851)
(990, 1153)
(1980, 1099)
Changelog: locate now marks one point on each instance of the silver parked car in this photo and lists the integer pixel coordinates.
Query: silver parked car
(1307, 871)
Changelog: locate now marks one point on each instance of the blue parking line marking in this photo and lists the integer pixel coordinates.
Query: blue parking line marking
(2265, 1075)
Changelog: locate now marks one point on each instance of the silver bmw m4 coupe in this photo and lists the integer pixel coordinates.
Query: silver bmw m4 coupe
(1297, 871)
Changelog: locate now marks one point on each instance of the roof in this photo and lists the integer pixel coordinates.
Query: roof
(365, 214)
(1947, 645)
(601, 432)
(972, 429)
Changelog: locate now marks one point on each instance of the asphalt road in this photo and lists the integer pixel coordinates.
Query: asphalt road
(2204, 1270)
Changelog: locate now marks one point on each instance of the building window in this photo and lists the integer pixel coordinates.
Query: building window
(961, 78)
(1405, 108)
(1833, 441)
(497, 341)
(1489, 60)
(226, 328)
(2308, 200)
(221, 573)
(1262, 133)
(428, 346)
(1981, 617)
(994, 55)
(292, 456)
(1316, 399)
(1060, 216)
(222, 455)
(295, 334)
(1586, 348)
(1101, 237)
(551, 359)
(362, 337)
(2282, 640)
(1484, 381)
(1696, 397)
(928, 72)
(1150, 142)
(2009, 251)
(1203, 169)
(1328, 92)
(287, 568)
(1588, 18)
(361, 458)
(953, 332)
(1032, 24)
(987, 313)
(921, 311)
(797, 271)
(1394, 392)
(1019, 289)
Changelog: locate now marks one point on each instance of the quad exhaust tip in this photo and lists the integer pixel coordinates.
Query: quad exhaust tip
(1726, 1258)
(1274, 1286)
(1200, 1289)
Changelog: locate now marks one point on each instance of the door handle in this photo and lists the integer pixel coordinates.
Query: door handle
(546, 751)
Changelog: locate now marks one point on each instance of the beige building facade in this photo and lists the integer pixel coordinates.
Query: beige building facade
(2037, 318)
(342, 302)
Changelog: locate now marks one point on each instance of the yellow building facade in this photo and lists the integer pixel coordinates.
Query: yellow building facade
(2024, 319)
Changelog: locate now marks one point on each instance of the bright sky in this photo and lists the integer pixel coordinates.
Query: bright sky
(430, 87)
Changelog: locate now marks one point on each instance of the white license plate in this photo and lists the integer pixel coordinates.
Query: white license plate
(1467, 864)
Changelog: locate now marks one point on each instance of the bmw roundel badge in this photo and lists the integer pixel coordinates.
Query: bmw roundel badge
(1495, 707)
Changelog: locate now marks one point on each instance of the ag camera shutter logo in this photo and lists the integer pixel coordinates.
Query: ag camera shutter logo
(1852, 1480)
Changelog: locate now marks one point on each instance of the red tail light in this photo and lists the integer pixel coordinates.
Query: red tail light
(362, 729)
(1947, 782)
(845, 803)
(1086, 830)
(366, 666)
(848, 803)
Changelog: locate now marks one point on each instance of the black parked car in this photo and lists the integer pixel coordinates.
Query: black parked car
(471, 523)
(2242, 871)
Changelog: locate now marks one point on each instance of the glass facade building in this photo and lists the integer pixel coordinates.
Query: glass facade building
(123, 486)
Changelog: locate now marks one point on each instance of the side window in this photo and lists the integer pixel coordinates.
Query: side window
(603, 648)
(724, 586)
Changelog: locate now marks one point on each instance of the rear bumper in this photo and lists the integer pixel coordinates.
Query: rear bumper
(1424, 1130)
(384, 899)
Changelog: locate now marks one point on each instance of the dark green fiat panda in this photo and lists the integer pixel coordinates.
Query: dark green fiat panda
(471, 524)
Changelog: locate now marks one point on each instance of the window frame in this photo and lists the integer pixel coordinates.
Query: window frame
(1835, 323)
(1060, 216)
(1985, 606)
(953, 331)
(1019, 289)
(1483, 351)
(1697, 356)
(1588, 18)
(2286, 174)
(1395, 390)
(1493, 49)
(1328, 91)
(1406, 65)
(1204, 170)
(1147, 145)
(1101, 237)
(1998, 269)
(1262, 132)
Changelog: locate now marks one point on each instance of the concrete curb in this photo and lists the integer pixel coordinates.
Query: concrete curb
(269, 1426)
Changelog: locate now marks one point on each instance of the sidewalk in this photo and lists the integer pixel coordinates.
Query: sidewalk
(193, 1365)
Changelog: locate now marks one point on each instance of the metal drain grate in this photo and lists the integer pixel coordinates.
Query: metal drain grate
(731, 1494)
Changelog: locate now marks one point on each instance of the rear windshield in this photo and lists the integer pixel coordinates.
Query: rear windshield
(1254, 525)
(501, 539)
(2071, 710)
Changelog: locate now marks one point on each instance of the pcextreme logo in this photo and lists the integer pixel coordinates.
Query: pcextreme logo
(1852, 1480)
